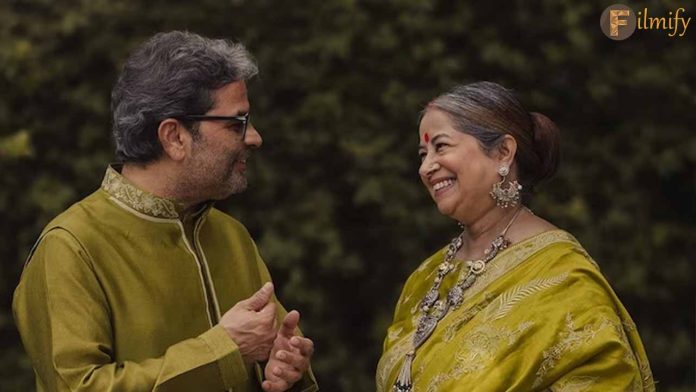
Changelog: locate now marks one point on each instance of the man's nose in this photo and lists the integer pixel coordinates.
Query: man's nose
(253, 137)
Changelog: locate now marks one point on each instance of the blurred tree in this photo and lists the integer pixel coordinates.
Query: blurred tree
(334, 200)
(15, 146)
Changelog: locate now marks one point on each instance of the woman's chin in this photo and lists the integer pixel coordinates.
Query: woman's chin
(445, 209)
(450, 207)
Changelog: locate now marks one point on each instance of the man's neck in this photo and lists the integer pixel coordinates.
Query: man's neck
(157, 178)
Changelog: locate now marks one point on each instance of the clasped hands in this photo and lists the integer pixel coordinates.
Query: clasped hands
(251, 323)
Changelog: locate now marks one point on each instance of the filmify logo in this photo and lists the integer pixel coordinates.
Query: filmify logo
(619, 22)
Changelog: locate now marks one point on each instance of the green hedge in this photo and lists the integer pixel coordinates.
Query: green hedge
(334, 201)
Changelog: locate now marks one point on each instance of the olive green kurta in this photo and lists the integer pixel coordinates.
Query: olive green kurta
(121, 293)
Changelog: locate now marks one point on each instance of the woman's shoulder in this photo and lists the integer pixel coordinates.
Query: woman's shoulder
(556, 255)
(537, 236)
(529, 225)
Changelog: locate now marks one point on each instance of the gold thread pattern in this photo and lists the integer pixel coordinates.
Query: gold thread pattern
(515, 255)
(477, 351)
(472, 346)
(509, 299)
(118, 187)
(570, 339)
(574, 384)
(391, 359)
(456, 323)
(506, 260)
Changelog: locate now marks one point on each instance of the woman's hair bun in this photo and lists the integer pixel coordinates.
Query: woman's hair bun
(547, 147)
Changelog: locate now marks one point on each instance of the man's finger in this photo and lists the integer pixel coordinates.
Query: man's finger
(296, 361)
(305, 345)
(290, 322)
(288, 374)
(275, 386)
(260, 298)
(268, 312)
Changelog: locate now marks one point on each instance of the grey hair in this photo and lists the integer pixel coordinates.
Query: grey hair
(171, 74)
(489, 111)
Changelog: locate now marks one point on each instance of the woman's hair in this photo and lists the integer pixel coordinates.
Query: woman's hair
(488, 111)
(171, 74)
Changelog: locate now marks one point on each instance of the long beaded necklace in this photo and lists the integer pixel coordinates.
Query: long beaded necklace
(434, 309)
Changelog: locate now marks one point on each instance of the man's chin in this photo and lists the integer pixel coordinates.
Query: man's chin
(234, 187)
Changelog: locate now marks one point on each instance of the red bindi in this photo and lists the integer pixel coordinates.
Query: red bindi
(426, 138)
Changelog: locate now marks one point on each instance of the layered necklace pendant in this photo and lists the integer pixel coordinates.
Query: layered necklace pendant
(434, 308)
(428, 322)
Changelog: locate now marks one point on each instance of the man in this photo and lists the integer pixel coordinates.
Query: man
(143, 285)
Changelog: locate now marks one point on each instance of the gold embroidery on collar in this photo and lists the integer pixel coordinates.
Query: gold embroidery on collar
(122, 190)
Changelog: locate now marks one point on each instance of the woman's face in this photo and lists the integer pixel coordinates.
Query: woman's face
(455, 170)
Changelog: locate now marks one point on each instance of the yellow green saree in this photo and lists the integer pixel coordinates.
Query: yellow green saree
(541, 318)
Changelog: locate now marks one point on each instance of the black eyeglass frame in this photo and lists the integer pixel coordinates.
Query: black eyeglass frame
(244, 119)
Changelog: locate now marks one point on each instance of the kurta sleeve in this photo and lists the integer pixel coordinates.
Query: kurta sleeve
(63, 318)
(308, 382)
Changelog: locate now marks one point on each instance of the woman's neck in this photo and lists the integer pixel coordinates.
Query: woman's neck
(479, 233)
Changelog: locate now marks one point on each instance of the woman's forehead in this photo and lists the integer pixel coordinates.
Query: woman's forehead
(434, 120)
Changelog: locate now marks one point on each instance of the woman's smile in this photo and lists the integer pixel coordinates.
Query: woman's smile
(442, 185)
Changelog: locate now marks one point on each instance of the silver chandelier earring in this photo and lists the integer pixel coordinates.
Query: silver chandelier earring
(506, 195)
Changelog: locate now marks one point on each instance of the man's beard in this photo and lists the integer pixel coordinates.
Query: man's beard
(234, 181)
(204, 180)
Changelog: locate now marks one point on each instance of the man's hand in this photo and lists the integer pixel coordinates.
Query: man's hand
(289, 357)
(251, 324)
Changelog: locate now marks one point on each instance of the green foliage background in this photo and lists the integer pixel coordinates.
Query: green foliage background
(334, 200)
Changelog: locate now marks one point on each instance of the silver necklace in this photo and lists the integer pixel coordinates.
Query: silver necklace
(434, 309)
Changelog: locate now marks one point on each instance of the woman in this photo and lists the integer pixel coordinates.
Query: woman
(512, 303)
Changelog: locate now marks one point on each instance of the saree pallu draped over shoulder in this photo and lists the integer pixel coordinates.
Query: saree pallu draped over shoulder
(541, 318)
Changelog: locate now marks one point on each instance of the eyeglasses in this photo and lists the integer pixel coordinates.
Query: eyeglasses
(243, 120)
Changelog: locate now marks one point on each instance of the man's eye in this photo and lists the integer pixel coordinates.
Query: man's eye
(235, 126)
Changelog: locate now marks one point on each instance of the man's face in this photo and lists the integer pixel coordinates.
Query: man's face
(216, 166)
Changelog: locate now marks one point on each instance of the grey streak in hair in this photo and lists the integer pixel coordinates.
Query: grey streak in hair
(488, 111)
(169, 75)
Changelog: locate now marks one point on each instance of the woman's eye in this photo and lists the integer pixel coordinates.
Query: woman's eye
(421, 155)
(439, 146)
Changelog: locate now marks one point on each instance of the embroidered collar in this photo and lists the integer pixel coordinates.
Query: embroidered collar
(141, 201)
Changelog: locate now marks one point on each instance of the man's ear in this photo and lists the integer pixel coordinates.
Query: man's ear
(175, 139)
(506, 150)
